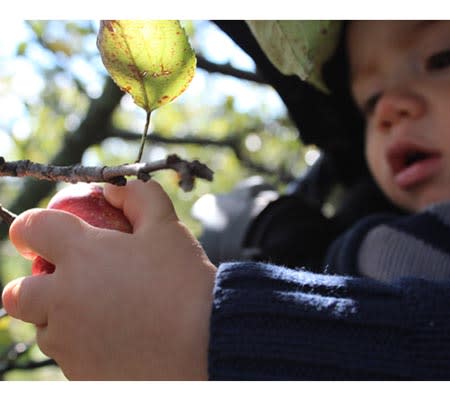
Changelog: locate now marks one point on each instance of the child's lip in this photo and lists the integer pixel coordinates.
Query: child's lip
(412, 164)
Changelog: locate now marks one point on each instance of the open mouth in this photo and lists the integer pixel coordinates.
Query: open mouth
(412, 164)
(402, 157)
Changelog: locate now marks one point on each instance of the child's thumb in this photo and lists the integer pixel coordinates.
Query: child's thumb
(144, 204)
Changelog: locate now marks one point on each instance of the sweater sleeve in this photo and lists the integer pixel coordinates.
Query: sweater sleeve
(273, 323)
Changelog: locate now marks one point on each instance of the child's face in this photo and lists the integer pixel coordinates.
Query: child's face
(400, 76)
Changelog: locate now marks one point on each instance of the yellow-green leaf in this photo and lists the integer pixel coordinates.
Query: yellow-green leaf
(59, 46)
(298, 47)
(152, 60)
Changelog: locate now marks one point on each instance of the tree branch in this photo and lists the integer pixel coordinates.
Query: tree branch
(8, 217)
(185, 139)
(9, 359)
(234, 142)
(187, 171)
(228, 69)
(28, 365)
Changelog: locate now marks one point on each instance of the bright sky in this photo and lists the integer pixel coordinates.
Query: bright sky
(27, 82)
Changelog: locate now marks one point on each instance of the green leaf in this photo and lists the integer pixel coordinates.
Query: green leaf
(151, 60)
(21, 48)
(59, 46)
(298, 47)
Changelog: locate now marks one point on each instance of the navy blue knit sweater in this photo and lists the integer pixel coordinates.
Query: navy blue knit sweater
(273, 323)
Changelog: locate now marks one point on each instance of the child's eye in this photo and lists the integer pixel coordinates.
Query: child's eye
(439, 60)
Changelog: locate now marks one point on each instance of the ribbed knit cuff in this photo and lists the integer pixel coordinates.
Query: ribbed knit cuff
(274, 323)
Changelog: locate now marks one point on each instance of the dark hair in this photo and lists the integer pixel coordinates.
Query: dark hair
(332, 121)
(346, 141)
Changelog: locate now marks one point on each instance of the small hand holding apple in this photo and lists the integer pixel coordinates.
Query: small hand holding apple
(118, 305)
(87, 202)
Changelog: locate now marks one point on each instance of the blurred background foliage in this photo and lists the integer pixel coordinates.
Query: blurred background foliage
(52, 84)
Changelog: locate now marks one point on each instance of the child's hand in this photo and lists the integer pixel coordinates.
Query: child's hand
(118, 306)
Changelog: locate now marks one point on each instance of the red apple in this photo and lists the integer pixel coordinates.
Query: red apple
(87, 202)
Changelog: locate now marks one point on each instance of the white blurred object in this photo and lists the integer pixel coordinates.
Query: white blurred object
(226, 217)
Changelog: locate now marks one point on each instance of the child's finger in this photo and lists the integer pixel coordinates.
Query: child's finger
(142, 203)
(48, 233)
(28, 298)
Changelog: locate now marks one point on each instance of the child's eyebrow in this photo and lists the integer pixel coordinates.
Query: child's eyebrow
(411, 33)
(417, 29)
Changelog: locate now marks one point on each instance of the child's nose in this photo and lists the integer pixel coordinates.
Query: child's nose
(395, 107)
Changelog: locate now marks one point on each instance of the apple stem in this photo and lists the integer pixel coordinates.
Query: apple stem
(144, 137)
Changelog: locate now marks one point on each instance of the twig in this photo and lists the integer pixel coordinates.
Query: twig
(9, 360)
(8, 217)
(28, 365)
(187, 171)
(234, 142)
(228, 69)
